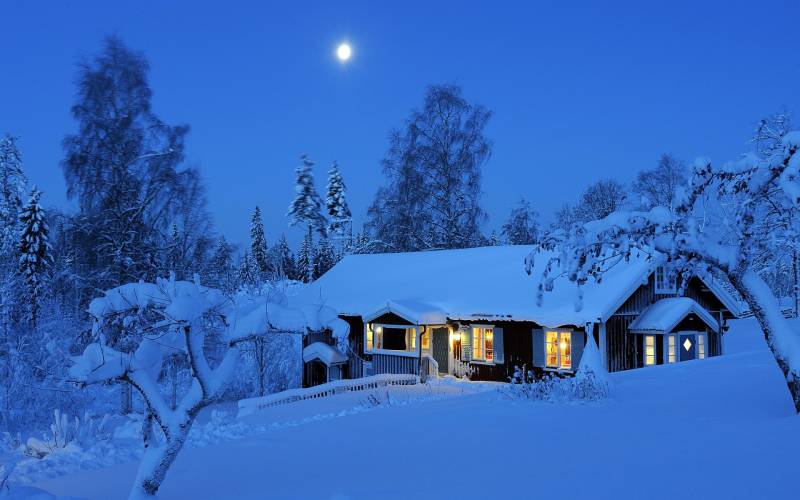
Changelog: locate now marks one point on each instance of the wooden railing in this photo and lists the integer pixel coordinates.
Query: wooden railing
(252, 405)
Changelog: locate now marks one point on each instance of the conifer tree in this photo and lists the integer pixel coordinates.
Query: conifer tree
(35, 256)
(258, 244)
(305, 259)
(324, 257)
(336, 203)
(221, 267)
(306, 209)
(248, 271)
(283, 260)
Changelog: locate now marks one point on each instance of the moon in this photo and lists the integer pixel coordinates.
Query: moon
(344, 52)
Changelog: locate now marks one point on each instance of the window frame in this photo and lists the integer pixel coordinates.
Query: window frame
(671, 348)
(664, 285)
(558, 367)
(652, 355)
(482, 329)
(372, 336)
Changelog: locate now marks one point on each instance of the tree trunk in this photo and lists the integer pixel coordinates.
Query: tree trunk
(157, 460)
(126, 399)
(782, 340)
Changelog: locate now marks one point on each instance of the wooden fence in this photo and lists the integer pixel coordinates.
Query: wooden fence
(252, 405)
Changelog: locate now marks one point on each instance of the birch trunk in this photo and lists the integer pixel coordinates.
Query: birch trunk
(781, 338)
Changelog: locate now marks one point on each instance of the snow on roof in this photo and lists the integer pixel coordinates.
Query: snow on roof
(416, 312)
(474, 283)
(665, 314)
(718, 288)
(323, 352)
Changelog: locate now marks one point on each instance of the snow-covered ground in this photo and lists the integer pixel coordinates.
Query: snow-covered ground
(717, 428)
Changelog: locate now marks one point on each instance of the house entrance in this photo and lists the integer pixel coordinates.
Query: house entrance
(441, 349)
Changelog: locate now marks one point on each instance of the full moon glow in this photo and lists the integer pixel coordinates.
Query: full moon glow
(344, 51)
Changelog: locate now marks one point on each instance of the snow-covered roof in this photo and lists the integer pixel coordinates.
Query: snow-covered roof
(665, 314)
(420, 313)
(718, 288)
(323, 352)
(475, 283)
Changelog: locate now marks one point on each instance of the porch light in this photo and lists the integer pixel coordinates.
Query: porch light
(563, 345)
(378, 329)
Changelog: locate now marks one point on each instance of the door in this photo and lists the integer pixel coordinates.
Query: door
(687, 346)
(441, 347)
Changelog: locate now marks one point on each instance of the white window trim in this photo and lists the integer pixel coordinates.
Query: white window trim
(559, 368)
(670, 288)
(667, 337)
(481, 361)
(408, 351)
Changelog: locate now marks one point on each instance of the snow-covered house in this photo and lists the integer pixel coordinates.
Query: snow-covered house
(475, 312)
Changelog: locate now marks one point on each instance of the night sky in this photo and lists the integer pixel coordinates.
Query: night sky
(578, 93)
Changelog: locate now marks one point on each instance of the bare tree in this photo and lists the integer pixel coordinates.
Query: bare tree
(656, 187)
(433, 170)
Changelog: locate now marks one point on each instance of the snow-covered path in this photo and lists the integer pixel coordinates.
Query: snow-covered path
(718, 428)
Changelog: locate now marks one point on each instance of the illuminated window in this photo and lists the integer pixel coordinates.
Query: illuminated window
(558, 349)
(701, 346)
(649, 350)
(390, 338)
(426, 340)
(665, 281)
(671, 352)
(483, 343)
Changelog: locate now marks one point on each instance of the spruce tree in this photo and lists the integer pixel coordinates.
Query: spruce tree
(336, 202)
(248, 271)
(12, 192)
(258, 244)
(35, 255)
(305, 259)
(306, 209)
(221, 267)
(324, 258)
(283, 260)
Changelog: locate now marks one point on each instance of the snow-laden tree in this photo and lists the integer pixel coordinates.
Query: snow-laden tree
(711, 229)
(248, 271)
(34, 254)
(283, 261)
(258, 244)
(177, 316)
(324, 257)
(306, 207)
(433, 176)
(221, 271)
(336, 202)
(522, 226)
(13, 186)
(305, 259)
(657, 187)
(306, 210)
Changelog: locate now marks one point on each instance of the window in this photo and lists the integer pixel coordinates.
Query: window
(671, 352)
(558, 349)
(390, 337)
(649, 350)
(701, 346)
(426, 341)
(665, 281)
(482, 343)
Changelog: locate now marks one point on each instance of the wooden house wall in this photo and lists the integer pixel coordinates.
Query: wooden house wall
(625, 351)
(386, 363)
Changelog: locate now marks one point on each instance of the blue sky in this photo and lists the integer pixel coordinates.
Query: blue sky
(579, 91)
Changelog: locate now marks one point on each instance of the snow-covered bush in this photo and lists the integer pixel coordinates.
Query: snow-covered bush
(65, 433)
(556, 389)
